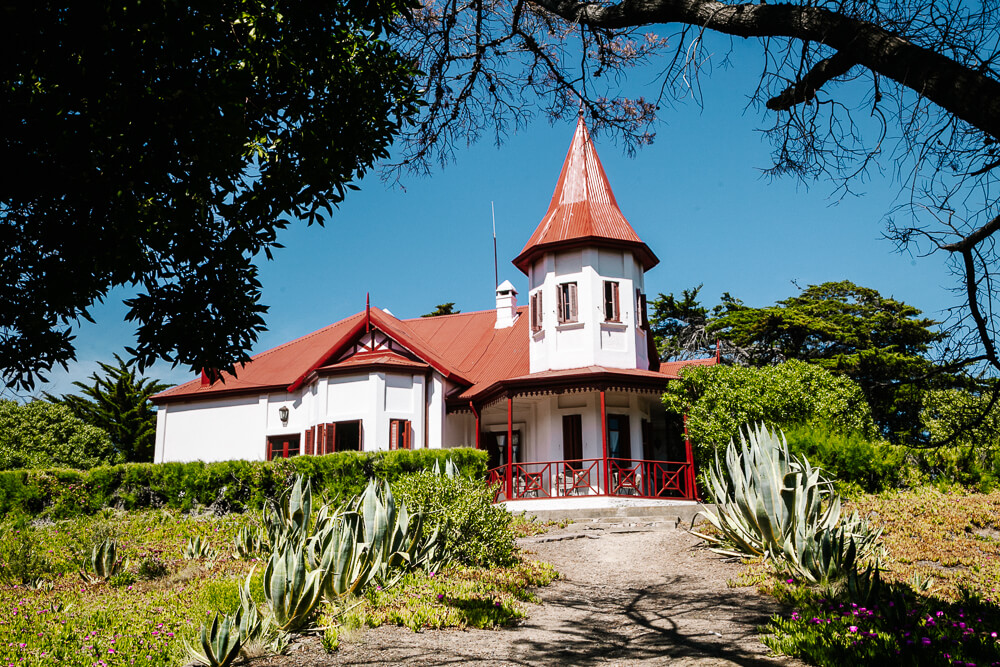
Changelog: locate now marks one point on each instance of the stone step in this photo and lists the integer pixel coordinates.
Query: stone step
(672, 513)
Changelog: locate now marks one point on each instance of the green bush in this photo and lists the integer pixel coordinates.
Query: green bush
(855, 463)
(477, 532)
(44, 435)
(972, 457)
(224, 486)
(720, 399)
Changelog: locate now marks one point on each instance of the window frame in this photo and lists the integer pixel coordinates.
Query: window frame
(612, 302)
(400, 434)
(567, 294)
(536, 311)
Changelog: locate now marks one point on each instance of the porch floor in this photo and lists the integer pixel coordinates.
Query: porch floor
(594, 506)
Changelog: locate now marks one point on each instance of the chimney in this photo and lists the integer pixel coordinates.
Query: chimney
(506, 305)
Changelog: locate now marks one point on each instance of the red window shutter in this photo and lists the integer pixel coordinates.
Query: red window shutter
(617, 305)
(573, 314)
(393, 434)
(330, 446)
(408, 435)
(561, 305)
(310, 434)
(540, 320)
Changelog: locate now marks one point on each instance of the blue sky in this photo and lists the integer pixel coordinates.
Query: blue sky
(696, 197)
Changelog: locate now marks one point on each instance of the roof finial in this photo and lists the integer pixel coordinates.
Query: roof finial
(581, 105)
(368, 312)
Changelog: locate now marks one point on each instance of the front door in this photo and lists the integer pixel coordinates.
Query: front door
(572, 439)
(496, 446)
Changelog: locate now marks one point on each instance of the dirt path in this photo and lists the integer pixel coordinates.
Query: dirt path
(629, 596)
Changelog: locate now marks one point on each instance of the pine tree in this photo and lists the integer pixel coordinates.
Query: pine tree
(118, 402)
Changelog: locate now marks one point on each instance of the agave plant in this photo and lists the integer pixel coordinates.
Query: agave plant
(288, 519)
(775, 505)
(292, 589)
(196, 548)
(248, 543)
(450, 469)
(104, 562)
(220, 642)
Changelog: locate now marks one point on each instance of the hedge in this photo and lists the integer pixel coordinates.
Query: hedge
(224, 486)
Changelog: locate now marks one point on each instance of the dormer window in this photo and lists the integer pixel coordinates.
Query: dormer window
(612, 308)
(536, 311)
(567, 302)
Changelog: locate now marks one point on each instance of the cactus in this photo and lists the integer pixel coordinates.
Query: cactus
(220, 642)
(775, 505)
(104, 562)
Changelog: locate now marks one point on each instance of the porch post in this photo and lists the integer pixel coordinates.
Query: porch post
(689, 454)
(510, 448)
(604, 443)
(476, 413)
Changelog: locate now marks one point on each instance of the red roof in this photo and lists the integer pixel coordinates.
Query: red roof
(583, 210)
(466, 348)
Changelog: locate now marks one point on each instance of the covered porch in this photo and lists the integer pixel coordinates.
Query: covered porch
(578, 438)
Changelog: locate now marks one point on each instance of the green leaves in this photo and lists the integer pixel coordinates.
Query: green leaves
(161, 146)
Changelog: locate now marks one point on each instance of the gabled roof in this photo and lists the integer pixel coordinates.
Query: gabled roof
(465, 348)
(583, 210)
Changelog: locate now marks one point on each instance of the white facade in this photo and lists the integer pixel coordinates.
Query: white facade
(592, 339)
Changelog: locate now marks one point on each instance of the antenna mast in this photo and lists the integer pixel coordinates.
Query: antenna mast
(496, 272)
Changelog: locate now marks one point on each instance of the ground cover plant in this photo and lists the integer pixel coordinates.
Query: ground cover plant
(937, 596)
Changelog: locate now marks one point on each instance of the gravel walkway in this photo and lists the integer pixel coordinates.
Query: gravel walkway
(633, 594)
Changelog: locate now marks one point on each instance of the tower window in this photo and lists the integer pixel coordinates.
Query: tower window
(536, 311)
(640, 310)
(567, 303)
(612, 308)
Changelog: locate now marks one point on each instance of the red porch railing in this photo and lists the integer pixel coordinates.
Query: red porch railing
(586, 477)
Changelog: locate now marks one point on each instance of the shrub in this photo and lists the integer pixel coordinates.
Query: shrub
(42, 435)
(152, 567)
(224, 486)
(477, 532)
(853, 462)
(720, 399)
(973, 456)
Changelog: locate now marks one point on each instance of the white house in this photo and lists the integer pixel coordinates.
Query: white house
(567, 387)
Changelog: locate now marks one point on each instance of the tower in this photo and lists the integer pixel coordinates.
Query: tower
(585, 266)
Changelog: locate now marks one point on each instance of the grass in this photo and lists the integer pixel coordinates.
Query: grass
(948, 539)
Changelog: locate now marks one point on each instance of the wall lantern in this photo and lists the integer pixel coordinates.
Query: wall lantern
(283, 414)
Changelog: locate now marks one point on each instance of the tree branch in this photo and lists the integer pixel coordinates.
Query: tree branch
(805, 89)
(968, 94)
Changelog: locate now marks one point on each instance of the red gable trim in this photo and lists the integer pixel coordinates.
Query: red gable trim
(377, 320)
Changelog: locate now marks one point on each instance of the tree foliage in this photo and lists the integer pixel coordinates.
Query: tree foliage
(880, 343)
(45, 435)
(117, 401)
(720, 399)
(884, 345)
(443, 309)
(162, 146)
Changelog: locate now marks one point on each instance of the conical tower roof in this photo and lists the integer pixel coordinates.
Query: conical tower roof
(583, 210)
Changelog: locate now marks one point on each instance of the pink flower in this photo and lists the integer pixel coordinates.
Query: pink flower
(853, 628)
